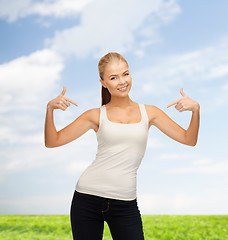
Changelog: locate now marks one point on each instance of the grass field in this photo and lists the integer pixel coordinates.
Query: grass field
(162, 227)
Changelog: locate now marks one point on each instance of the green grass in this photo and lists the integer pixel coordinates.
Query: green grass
(162, 227)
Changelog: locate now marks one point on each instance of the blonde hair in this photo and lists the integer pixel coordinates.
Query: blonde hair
(109, 57)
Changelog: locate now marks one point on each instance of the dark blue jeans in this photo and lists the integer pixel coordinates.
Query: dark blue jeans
(88, 213)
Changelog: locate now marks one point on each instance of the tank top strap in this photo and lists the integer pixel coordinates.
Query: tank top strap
(143, 113)
(102, 114)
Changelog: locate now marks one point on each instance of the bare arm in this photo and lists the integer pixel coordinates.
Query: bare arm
(163, 122)
(74, 130)
(50, 133)
(193, 129)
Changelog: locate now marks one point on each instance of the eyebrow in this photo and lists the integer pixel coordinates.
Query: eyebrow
(117, 75)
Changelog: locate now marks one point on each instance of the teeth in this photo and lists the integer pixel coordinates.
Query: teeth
(122, 88)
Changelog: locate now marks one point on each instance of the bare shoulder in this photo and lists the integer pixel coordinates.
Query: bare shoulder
(152, 112)
(93, 115)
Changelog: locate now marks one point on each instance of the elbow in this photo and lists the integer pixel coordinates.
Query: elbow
(48, 145)
(192, 144)
(50, 142)
(189, 144)
(195, 143)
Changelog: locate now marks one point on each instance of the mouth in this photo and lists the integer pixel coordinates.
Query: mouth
(123, 88)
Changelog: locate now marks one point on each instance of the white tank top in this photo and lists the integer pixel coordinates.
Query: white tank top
(120, 149)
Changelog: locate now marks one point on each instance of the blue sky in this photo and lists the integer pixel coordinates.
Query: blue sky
(168, 45)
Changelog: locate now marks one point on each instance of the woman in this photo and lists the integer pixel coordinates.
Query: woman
(106, 191)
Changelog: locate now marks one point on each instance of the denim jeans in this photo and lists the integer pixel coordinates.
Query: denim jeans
(88, 213)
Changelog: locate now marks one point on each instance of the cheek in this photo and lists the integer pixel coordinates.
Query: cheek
(129, 79)
(113, 85)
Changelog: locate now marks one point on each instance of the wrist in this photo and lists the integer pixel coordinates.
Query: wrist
(49, 107)
(196, 107)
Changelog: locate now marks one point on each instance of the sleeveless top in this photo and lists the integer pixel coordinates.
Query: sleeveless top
(120, 149)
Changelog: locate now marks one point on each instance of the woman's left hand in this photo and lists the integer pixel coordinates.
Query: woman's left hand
(185, 103)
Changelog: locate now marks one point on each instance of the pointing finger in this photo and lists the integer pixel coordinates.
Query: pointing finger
(171, 104)
(71, 101)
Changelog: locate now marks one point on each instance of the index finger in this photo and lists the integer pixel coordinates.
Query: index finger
(71, 101)
(171, 104)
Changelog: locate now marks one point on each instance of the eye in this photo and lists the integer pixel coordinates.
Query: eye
(126, 74)
(112, 78)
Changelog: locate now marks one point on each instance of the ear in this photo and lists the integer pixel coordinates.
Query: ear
(103, 83)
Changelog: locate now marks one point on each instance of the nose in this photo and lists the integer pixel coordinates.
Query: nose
(121, 81)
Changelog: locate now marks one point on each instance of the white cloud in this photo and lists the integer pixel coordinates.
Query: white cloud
(27, 84)
(201, 166)
(153, 142)
(38, 204)
(173, 156)
(26, 81)
(23, 155)
(12, 136)
(59, 8)
(192, 69)
(205, 64)
(221, 97)
(202, 161)
(180, 203)
(183, 203)
(113, 25)
(12, 10)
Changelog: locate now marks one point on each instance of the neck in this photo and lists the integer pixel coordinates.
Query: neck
(120, 101)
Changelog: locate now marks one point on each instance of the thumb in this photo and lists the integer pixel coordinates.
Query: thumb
(64, 91)
(182, 93)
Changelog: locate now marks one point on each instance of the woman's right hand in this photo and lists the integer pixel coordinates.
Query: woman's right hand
(61, 102)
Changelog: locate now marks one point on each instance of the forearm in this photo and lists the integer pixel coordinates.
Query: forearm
(193, 129)
(50, 130)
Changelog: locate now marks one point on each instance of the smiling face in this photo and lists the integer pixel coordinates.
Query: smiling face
(117, 78)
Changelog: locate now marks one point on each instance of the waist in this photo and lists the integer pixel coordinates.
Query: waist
(101, 197)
